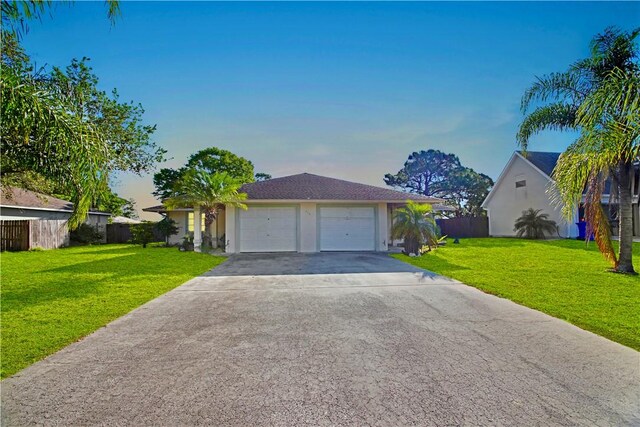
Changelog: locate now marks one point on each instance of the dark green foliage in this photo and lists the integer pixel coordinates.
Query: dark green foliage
(167, 228)
(164, 180)
(87, 235)
(533, 224)
(57, 126)
(211, 160)
(260, 176)
(437, 174)
(416, 225)
(142, 233)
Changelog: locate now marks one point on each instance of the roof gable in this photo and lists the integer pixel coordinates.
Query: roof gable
(306, 186)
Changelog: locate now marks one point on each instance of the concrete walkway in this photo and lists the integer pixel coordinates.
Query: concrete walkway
(330, 339)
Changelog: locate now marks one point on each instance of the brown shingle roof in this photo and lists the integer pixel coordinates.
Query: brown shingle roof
(306, 186)
(19, 197)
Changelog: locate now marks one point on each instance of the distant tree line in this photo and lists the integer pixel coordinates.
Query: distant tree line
(437, 174)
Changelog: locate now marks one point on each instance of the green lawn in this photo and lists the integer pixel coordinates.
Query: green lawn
(563, 278)
(53, 298)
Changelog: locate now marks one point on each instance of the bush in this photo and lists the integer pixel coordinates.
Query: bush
(533, 224)
(87, 235)
(142, 233)
(167, 228)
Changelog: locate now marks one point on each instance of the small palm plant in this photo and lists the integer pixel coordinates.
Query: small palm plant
(416, 225)
(533, 224)
(199, 188)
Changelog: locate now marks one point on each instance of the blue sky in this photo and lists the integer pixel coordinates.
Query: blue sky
(347, 90)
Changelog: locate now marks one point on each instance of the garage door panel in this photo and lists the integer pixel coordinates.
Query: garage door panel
(268, 229)
(347, 228)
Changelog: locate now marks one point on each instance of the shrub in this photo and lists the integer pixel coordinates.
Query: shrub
(142, 233)
(533, 224)
(167, 228)
(87, 235)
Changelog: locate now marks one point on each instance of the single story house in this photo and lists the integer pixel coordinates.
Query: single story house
(20, 204)
(525, 183)
(301, 213)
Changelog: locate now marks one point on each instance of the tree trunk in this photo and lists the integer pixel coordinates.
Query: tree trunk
(625, 218)
(411, 246)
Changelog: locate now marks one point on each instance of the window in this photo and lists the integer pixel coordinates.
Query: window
(190, 221)
(521, 187)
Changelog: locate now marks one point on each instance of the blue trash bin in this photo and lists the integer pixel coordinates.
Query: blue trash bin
(582, 231)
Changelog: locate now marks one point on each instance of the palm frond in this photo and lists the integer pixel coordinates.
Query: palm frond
(534, 224)
(568, 87)
(557, 116)
(597, 221)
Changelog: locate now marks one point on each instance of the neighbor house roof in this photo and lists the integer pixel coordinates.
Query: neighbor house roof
(545, 161)
(14, 197)
(306, 186)
(124, 220)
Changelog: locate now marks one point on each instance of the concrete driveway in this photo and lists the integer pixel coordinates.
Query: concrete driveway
(330, 339)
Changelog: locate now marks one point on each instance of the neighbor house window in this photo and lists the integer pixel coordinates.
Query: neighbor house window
(521, 187)
(190, 221)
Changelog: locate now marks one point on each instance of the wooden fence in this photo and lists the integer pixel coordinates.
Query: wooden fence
(26, 234)
(464, 226)
(121, 233)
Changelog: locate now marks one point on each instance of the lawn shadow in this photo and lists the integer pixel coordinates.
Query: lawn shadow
(84, 278)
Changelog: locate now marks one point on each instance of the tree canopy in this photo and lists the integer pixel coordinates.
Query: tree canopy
(437, 174)
(212, 160)
(59, 130)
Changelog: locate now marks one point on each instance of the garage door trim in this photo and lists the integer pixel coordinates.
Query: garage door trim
(264, 205)
(376, 237)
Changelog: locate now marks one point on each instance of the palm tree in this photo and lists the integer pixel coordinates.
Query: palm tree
(416, 225)
(533, 224)
(598, 97)
(39, 131)
(199, 188)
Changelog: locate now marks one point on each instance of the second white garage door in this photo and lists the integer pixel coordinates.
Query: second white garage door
(347, 229)
(268, 229)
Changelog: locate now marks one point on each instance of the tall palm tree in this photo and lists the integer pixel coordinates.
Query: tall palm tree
(209, 192)
(598, 97)
(533, 224)
(416, 225)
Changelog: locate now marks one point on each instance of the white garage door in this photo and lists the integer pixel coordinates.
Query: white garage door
(268, 229)
(347, 229)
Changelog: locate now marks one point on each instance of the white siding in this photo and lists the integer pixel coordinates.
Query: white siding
(507, 202)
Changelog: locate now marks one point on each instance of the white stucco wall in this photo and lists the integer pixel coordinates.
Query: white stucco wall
(383, 227)
(181, 222)
(507, 202)
(308, 227)
(230, 229)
